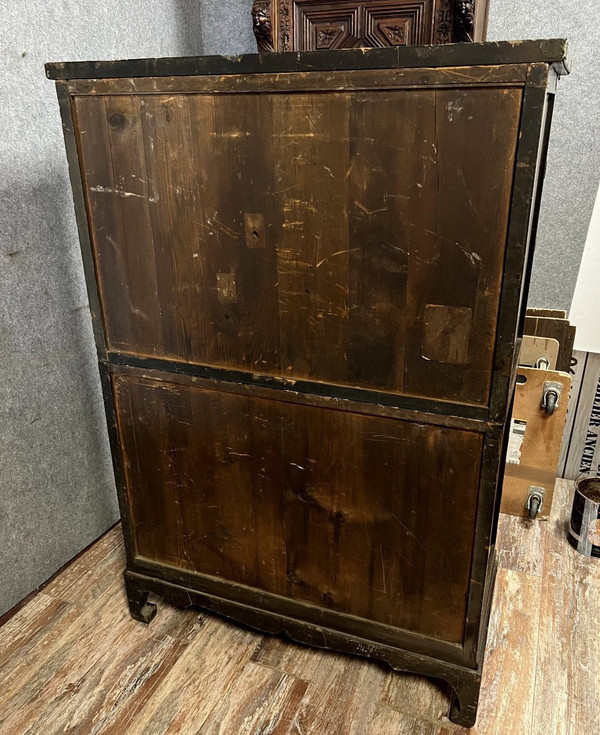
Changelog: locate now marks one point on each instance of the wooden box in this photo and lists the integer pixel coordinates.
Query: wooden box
(306, 275)
(311, 25)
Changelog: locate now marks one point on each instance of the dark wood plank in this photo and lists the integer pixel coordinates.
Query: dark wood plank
(389, 210)
(312, 245)
(340, 80)
(352, 263)
(466, 243)
(120, 199)
(242, 490)
(294, 391)
(550, 51)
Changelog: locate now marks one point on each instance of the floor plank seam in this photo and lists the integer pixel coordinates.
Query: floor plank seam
(547, 537)
(444, 722)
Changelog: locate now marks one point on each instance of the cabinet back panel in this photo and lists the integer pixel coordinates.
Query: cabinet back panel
(354, 237)
(363, 515)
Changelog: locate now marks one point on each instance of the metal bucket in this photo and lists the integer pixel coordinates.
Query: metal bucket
(584, 528)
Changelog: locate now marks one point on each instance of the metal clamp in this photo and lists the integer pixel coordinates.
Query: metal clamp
(550, 396)
(535, 500)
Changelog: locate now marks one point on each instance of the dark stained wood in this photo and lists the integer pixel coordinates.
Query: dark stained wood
(526, 197)
(306, 391)
(311, 162)
(447, 334)
(306, 25)
(287, 391)
(552, 51)
(308, 254)
(347, 524)
(339, 80)
(116, 180)
(180, 281)
(466, 244)
(388, 206)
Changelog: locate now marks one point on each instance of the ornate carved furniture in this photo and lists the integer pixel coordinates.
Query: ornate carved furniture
(307, 276)
(310, 25)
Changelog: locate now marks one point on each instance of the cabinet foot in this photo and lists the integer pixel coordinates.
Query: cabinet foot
(139, 607)
(463, 710)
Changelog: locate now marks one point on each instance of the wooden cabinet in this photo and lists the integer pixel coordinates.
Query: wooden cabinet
(311, 25)
(306, 277)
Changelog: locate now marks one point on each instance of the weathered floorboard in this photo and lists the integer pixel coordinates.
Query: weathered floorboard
(567, 694)
(72, 660)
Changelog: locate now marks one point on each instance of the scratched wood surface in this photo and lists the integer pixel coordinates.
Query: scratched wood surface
(72, 660)
(330, 507)
(315, 235)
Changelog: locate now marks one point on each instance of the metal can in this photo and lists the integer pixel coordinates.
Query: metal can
(584, 527)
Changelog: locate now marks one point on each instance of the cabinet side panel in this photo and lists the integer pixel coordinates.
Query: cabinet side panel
(363, 515)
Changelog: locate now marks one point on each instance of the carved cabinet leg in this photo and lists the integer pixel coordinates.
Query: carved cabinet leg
(463, 710)
(139, 607)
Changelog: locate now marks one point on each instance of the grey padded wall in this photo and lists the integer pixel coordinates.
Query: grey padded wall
(574, 155)
(56, 487)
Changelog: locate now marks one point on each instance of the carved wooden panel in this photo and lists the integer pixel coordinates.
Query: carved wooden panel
(308, 25)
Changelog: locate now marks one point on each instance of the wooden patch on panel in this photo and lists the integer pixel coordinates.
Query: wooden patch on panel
(446, 334)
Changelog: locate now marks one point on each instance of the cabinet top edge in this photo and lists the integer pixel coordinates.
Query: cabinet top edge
(553, 52)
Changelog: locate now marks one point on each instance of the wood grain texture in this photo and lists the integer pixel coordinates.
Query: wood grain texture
(550, 51)
(534, 348)
(520, 544)
(340, 80)
(567, 694)
(88, 668)
(369, 210)
(236, 487)
(557, 328)
(511, 656)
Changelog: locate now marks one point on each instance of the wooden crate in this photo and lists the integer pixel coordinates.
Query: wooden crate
(580, 453)
(306, 276)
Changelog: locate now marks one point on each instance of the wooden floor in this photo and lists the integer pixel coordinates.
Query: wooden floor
(72, 661)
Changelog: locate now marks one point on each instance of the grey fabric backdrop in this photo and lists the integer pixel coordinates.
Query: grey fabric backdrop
(574, 155)
(56, 489)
